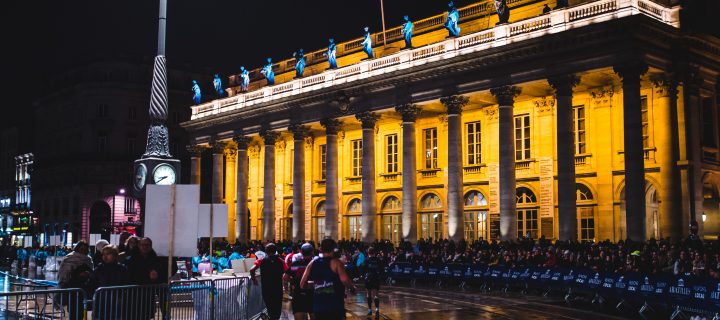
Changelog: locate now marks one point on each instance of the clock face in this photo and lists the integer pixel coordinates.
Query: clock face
(164, 174)
(140, 176)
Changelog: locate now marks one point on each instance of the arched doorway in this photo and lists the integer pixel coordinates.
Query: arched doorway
(319, 222)
(391, 219)
(652, 212)
(354, 219)
(431, 213)
(527, 213)
(286, 224)
(476, 216)
(100, 220)
(711, 211)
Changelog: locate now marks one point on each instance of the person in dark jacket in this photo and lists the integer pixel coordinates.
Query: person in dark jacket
(145, 268)
(110, 273)
(272, 269)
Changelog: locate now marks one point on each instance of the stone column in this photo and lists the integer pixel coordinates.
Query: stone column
(298, 227)
(567, 208)
(666, 140)
(218, 149)
(269, 185)
(505, 96)
(195, 161)
(692, 86)
(369, 205)
(331, 177)
(409, 113)
(455, 203)
(602, 102)
(242, 229)
(634, 153)
(231, 188)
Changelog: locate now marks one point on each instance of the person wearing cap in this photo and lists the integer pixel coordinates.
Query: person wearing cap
(97, 257)
(302, 299)
(272, 269)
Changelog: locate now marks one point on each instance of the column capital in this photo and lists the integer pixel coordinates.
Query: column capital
(505, 95)
(269, 136)
(218, 147)
(332, 125)
(602, 97)
(491, 113)
(299, 131)
(230, 154)
(195, 150)
(631, 71)
(242, 141)
(454, 103)
(368, 119)
(308, 142)
(254, 150)
(564, 84)
(545, 105)
(408, 111)
(664, 85)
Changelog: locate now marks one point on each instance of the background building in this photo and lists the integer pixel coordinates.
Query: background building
(88, 130)
(597, 121)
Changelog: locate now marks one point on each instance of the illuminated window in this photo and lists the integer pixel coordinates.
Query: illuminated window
(522, 137)
(431, 212)
(391, 219)
(319, 222)
(585, 212)
(476, 216)
(431, 149)
(391, 147)
(579, 129)
(527, 221)
(323, 162)
(645, 122)
(356, 158)
(354, 219)
(474, 143)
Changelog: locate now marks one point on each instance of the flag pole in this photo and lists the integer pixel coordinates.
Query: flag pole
(382, 14)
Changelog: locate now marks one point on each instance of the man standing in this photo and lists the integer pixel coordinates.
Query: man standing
(329, 281)
(373, 269)
(271, 268)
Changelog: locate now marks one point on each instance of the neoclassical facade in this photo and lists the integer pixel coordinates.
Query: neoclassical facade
(596, 121)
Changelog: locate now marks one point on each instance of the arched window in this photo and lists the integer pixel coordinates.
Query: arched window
(475, 217)
(354, 219)
(286, 224)
(391, 220)
(585, 213)
(431, 225)
(527, 221)
(392, 203)
(319, 222)
(430, 202)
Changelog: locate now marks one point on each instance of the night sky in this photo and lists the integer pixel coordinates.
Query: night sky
(46, 37)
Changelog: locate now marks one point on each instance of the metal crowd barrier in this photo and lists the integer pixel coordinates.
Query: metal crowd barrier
(130, 302)
(34, 303)
(651, 296)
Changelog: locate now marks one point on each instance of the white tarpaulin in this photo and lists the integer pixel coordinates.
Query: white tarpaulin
(94, 238)
(158, 222)
(220, 220)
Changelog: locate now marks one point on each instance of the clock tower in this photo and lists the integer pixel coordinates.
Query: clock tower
(157, 165)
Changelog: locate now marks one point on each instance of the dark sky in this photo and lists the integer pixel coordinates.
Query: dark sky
(45, 37)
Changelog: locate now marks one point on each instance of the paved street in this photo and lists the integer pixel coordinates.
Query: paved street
(399, 303)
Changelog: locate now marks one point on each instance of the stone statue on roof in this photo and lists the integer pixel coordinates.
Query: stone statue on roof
(217, 84)
(244, 79)
(331, 53)
(197, 96)
(502, 10)
(299, 63)
(267, 71)
(407, 29)
(367, 43)
(453, 16)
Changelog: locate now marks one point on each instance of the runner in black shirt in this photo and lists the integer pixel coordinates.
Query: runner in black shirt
(302, 299)
(272, 269)
(373, 268)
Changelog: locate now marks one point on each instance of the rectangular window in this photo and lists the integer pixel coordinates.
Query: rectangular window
(473, 143)
(354, 230)
(586, 223)
(709, 129)
(102, 110)
(319, 229)
(476, 225)
(431, 225)
(645, 122)
(391, 228)
(323, 162)
(101, 143)
(522, 137)
(391, 149)
(431, 149)
(527, 223)
(356, 158)
(579, 129)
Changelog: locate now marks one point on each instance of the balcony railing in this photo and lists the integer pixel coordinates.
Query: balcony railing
(354, 180)
(429, 173)
(474, 169)
(498, 36)
(582, 160)
(390, 176)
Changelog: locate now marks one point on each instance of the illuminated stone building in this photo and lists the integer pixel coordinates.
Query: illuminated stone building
(596, 121)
